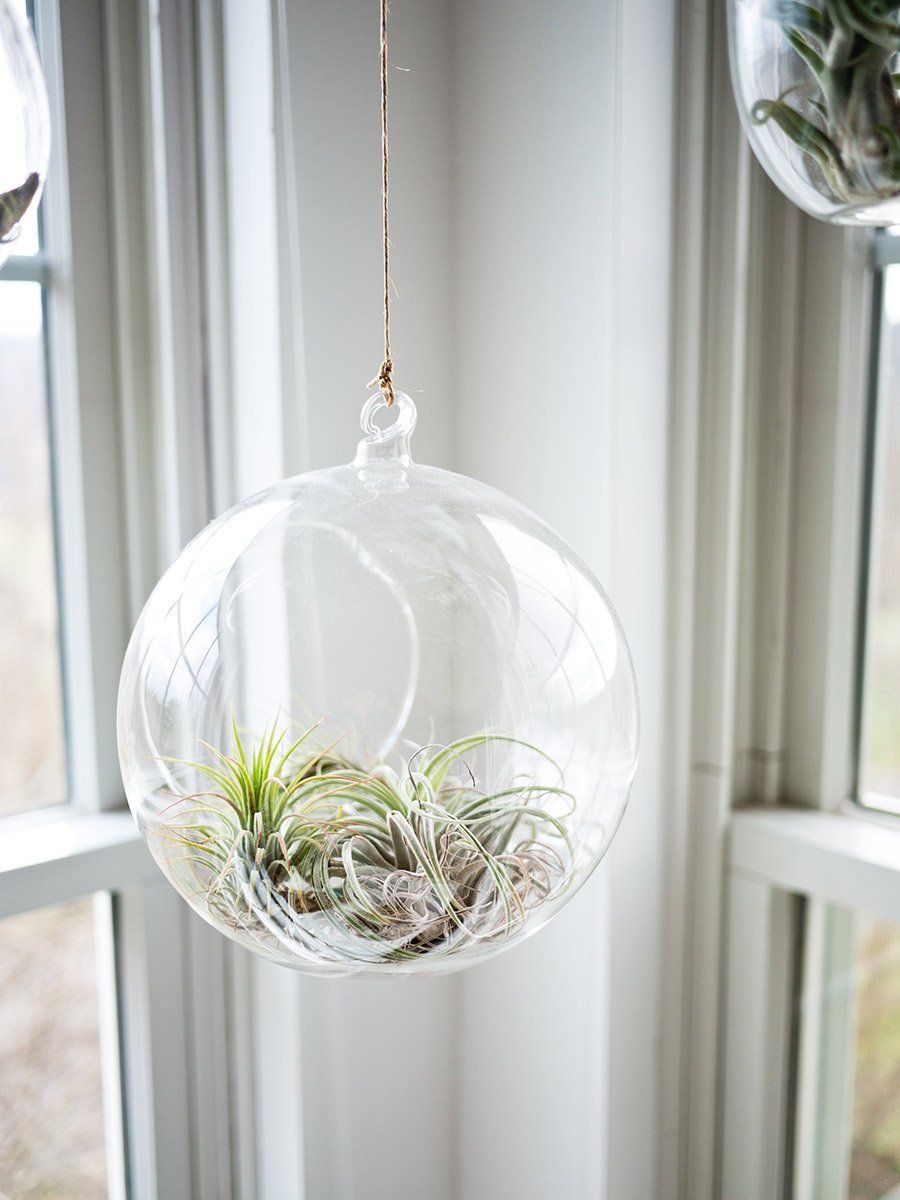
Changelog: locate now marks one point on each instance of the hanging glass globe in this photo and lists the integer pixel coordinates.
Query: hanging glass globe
(378, 718)
(25, 127)
(816, 87)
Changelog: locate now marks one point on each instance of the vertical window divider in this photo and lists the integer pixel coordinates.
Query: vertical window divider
(871, 523)
(110, 1046)
(178, 993)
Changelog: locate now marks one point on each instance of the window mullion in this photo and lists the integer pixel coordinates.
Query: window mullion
(152, 968)
(177, 990)
(829, 455)
(28, 268)
(110, 1046)
(84, 400)
(760, 966)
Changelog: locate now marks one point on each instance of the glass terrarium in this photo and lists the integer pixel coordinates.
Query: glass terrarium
(379, 717)
(25, 127)
(816, 86)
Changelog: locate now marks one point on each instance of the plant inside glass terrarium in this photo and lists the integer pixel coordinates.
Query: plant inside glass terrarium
(294, 840)
(843, 111)
(25, 123)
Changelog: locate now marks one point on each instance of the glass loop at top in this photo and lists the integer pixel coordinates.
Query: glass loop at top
(389, 442)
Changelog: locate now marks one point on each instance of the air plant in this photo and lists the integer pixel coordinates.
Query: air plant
(307, 850)
(14, 204)
(846, 116)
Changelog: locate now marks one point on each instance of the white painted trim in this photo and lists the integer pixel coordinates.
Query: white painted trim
(137, 332)
(261, 424)
(687, 300)
(175, 238)
(713, 306)
(215, 203)
(839, 857)
(833, 1077)
(873, 518)
(757, 1024)
(809, 1042)
(152, 975)
(773, 333)
(830, 430)
(62, 856)
(27, 267)
(84, 400)
(640, 355)
(251, 158)
(110, 1047)
(879, 803)
(277, 1109)
(162, 64)
(884, 250)
(771, 337)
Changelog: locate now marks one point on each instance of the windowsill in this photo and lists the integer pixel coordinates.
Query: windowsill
(27, 267)
(846, 858)
(69, 855)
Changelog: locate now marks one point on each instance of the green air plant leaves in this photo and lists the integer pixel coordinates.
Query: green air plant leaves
(336, 861)
(14, 204)
(846, 118)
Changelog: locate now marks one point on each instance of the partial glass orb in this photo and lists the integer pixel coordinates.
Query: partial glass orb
(25, 127)
(378, 718)
(816, 88)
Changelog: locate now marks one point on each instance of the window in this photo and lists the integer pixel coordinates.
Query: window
(790, 437)
(53, 1128)
(854, 1004)
(848, 1144)
(875, 1145)
(52, 1138)
(811, 977)
(95, 979)
(879, 767)
(33, 773)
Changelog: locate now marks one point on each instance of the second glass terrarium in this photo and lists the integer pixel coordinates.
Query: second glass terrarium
(816, 86)
(24, 126)
(378, 718)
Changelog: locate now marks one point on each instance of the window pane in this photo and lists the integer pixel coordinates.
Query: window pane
(51, 1117)
(875, 1157)
(27, 241)
(854, 1006)
(880, 757)
(32, 768)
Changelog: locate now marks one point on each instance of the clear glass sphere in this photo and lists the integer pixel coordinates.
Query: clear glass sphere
(25, 125)
(815, 86)
(378, 718)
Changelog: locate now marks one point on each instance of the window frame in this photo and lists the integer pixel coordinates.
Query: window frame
(92, 627)
(128, 234)
(773, 317)
(884, 253)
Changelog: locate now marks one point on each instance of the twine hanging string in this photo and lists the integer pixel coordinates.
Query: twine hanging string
(384, 379)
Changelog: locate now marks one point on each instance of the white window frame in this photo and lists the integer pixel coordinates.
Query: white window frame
(773, 318)
(759, 714)
(133, 233)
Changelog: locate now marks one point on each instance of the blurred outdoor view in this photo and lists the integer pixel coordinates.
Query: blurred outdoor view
(32, 771)
(51, 1116)
(51, 1109)
(875, 1162)
(875, 1154)
(880, 765)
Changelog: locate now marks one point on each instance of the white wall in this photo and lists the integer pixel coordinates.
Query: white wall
(531, 172)
(333, 50)
(535, 119)
(638, 574)
(378, 1064)
(564, 128)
